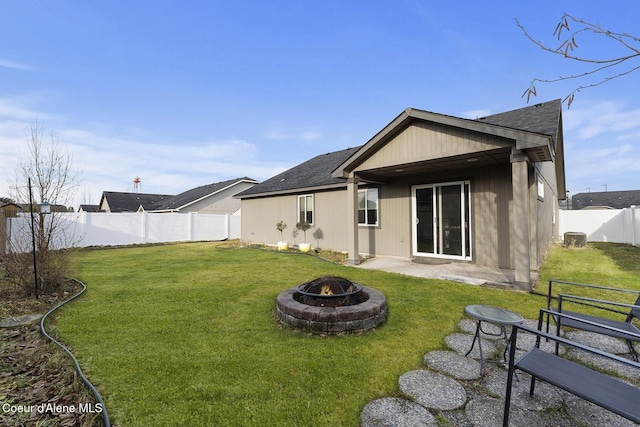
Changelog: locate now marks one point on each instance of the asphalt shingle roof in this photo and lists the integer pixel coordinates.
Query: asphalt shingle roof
(315, 172)
(541, 118)
(612, 199)
(189, 196)
(130, 202)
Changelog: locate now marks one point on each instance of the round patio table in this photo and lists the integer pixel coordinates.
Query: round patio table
(495, 315)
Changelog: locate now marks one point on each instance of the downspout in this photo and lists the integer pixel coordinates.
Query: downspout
(352, 219)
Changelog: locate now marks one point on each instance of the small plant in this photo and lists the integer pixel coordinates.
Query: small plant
(303, 226)
(281, 226)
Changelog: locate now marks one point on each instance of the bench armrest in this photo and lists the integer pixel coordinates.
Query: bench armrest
(583, 285)
(582, 320)
(541, 334)
(568, 297)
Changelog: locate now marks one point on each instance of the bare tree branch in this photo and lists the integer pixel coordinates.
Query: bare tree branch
(568, 49)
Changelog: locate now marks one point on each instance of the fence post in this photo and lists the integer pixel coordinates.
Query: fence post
(145, 227)
(634, 223)
(227, 227)
(190, 219)
(3, 233)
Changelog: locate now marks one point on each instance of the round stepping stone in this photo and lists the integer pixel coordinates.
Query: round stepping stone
(528, 341)
(588, 414)
(453, 364)
(598, 341)
(392, 411)
(433, 390)
(461, 343)
(488, 412)
(469, 326)
(604, 363)
(545, 396)
(13, 322)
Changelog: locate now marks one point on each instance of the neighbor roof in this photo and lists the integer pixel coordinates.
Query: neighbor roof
(613, 199)
(131, 202)
(195, 194)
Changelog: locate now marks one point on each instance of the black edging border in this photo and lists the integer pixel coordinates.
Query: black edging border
(105, 415)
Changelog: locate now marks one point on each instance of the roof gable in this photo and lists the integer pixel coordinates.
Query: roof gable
(529, 136)
(536, 130)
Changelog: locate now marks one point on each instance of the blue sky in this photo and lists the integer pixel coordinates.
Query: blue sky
(188, 93)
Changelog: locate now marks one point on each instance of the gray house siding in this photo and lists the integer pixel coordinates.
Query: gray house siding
(490, 217)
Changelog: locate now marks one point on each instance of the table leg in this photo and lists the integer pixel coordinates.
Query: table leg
(476, 336)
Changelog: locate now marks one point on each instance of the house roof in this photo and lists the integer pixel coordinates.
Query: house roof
(194, 195)
(543, 118)
(89, 208)
(528, 134)
(131, 202)
(613, 199)
(534, 129)
(314, 173)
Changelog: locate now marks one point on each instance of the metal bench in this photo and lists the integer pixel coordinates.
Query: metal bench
(624, 329)
(593, 386)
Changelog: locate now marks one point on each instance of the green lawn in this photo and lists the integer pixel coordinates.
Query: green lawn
(187, 334)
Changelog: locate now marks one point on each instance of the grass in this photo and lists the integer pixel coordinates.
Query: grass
(187, 334)
(606, 264)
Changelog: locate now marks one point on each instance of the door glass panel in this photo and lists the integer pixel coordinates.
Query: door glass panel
(424, 228)
(451, 219)
(467, 233)
(442, 218)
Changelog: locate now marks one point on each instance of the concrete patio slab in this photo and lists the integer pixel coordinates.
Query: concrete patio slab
(462, 272)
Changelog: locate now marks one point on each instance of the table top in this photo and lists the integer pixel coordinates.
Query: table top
(493, 314)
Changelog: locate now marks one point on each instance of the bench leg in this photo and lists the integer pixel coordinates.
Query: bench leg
(510, 372)
(632, 350)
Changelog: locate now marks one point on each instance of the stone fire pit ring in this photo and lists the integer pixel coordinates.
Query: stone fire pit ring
(361, 317)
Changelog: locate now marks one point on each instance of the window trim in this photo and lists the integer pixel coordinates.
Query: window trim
(312, 210)
(366, 217)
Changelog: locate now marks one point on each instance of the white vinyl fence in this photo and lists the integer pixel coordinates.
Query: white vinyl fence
(604, 225)
(83, 229)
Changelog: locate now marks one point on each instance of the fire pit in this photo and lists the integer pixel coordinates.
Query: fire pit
(330, 305)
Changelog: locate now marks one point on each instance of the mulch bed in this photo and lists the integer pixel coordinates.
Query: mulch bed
(38, 382)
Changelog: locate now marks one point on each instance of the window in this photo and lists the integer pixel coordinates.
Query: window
(368, 206)
(305, 208)
(540, 188)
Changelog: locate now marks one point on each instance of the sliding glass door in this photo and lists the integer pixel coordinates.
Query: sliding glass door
(441, 220)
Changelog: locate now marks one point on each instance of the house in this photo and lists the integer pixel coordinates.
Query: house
(216, 198)
(606, 199)
(429, 185)
(114, 201)
(89, 208)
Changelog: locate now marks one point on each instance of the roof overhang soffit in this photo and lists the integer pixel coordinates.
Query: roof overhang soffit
(537, 146)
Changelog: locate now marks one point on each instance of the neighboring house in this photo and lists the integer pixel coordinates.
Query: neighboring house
(429, 185)
(214, 198)
(114, 201)
(606, 199)
(89, 208)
